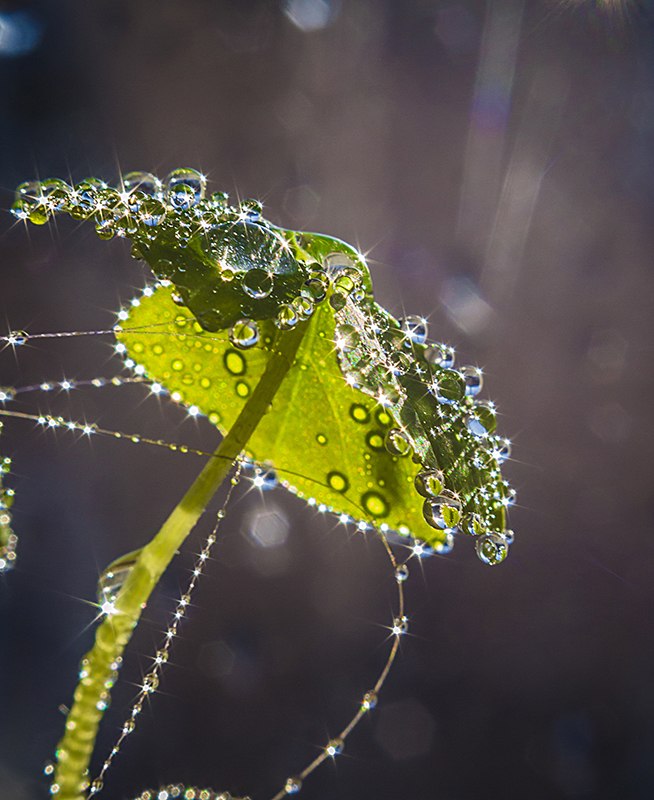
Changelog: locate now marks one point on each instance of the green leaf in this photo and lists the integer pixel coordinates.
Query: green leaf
(324, 438)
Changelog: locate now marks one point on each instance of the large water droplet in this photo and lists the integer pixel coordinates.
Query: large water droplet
(448, 387)
(397, 442)
(244, 334)
(114, 576)
(415, 328)
(139, 186)
(257, 283)
(444, 512)
(335, 262)
(184, 188)
(429, 482)
(440, 355)
(492, 548)
(473, 379)
(151, 212)
(287, 317)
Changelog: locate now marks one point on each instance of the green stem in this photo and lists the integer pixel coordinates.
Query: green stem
(113, 634)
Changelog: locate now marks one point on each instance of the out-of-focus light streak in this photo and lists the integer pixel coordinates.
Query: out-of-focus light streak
(522, 183)
(489, 114)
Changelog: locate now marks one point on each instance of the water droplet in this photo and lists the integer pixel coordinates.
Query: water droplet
(140, 185)
(400, 626)
(151, 212)
(369, 701)
(492, 548)
(359, 413)
(335, 262)
(316, 285)
(337, 301)
(184, 188)
(7, 393)
(292, 785)
(444, 512)
(265, 478)
(242, 389)
(375, 440)
(114, 576)
(475, 426)
(415, 328)
(502, 450)
(30, 203)
(338, 482)
(474, 524)
(244, 334)
(234, 362)
(440, 355)
(96, 786)
(56, 194)
(303, 306)
(400, 362)
(252, 208)
(257, 283)
(397, 442)
(334, 747)
(448, 387)
(401, 573)
(129, 725)
(286, 317)
(375, 504)
(429, 482)
(321, 439)
(150, 683)
(473, 379)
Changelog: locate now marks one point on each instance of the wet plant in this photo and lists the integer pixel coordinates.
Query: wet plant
(275, 337)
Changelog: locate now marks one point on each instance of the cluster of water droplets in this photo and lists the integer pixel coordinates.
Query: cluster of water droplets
(8, 539)
(440, 422)
(232, 269)
(228, 264)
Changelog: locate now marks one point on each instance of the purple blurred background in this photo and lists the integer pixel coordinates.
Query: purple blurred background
(497, 160)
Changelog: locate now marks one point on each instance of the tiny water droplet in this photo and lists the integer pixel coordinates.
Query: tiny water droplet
(369, 701)
(335, 747)
(292, 785)
(401, 573)
(400, 626)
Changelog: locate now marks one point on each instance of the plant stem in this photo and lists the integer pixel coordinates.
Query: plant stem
(113, 634)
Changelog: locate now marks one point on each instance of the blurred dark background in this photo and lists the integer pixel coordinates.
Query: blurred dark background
(497, 160)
